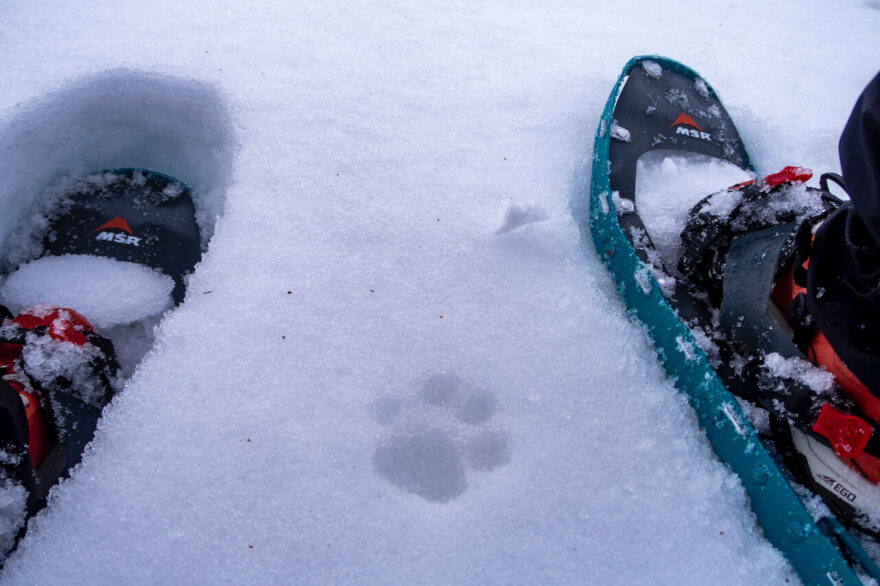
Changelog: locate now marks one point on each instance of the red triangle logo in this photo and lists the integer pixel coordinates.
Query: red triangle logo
(118, 222)
(685, 119)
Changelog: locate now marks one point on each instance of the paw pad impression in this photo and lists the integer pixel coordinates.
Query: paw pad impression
(438, 436)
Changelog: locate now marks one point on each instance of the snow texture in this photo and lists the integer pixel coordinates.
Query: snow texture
(432, 461)
(652, 68)
(619, 132)
(354, 155)
(47, 359)
(818, 379)
(108, 291)
(668, 185)
(13, 502)
(514, 215)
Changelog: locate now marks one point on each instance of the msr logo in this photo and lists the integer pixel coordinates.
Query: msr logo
(694, 132)
(117, 223)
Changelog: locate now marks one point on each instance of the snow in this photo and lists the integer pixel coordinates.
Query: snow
(108, 291)
(350, 160)
(652, 68)
(48, 359)
(446, 435)
(800, 370)
(668, 185)
(13, 503)
(516, 214)
(619, 132)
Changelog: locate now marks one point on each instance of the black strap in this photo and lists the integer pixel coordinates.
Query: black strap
(823, 184)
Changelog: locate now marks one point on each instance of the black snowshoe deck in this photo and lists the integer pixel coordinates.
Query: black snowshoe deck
(665, 110)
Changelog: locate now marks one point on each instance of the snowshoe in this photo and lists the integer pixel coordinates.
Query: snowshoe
(116, 246)
(661, 118)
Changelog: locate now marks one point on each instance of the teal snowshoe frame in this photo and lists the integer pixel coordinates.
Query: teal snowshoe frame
(780, 513)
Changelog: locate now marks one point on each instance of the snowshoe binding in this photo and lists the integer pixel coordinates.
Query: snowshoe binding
(115, 245)
(789, 270)
(749, 268)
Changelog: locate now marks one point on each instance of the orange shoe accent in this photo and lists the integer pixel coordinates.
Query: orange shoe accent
(39, 442)
(822, 354)
(868, 465)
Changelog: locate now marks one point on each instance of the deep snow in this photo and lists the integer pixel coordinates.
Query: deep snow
(365, 162)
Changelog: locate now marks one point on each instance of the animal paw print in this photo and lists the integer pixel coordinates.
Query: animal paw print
(439, 436)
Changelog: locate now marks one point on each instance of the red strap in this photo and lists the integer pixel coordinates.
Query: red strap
(741, 185)
(64, 324)
(848, 434)
(788, 175)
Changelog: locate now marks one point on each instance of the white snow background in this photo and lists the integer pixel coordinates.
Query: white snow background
(399, 361)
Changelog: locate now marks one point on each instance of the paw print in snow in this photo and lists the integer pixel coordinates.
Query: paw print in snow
(438, 436)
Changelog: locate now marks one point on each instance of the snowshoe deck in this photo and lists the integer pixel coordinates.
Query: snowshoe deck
(131, 215)
(659, 104)
(664, 108)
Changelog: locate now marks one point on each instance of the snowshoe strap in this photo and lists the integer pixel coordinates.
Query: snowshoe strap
(16, 469)
(836, 178)
(748, 280)
(707, 236)
(17, 466)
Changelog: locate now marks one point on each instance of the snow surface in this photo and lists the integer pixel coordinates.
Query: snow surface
(668, 185)
(109, 291)
(356, 157)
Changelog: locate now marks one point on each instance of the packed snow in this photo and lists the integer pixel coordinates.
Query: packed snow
(668, 185)
(13, 504)
(109, 291)
(821, 381)
(372, 379)
(516, 214)
(48, 359)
